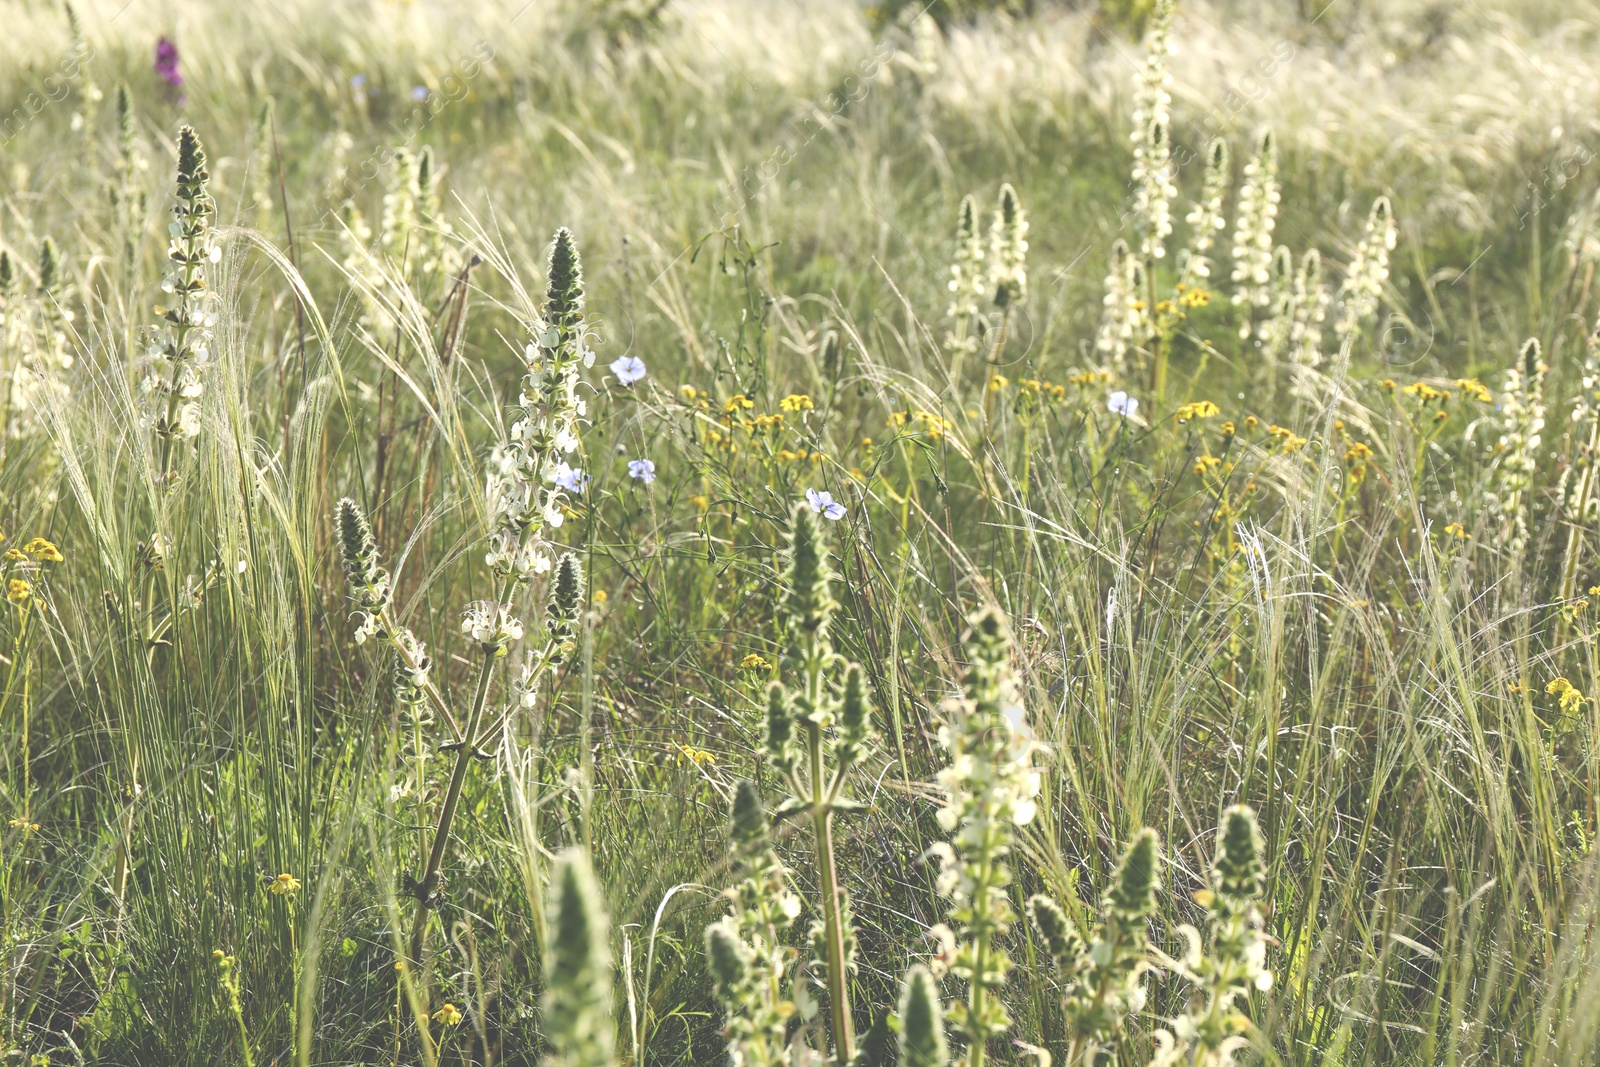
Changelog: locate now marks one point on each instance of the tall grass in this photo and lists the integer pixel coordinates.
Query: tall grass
(1276, 580)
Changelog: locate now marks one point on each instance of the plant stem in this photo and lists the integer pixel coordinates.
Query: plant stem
(844, 1041)
(447, 813)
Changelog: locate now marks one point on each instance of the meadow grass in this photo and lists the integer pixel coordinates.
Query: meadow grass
(1129, 570)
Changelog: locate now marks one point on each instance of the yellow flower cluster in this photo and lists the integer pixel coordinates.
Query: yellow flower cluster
(1571, 700)
(1197, 409)
(1475, 389)
(697, 756)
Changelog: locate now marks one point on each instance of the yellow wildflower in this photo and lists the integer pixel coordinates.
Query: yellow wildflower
(701, 501)
(24, 825)
(43, 551)
(600, 597)
(1571, 699)
(15, 554)
(697, 756)
(738, 402)
(688, 393)
(1195, 298)
(447, 1015)
(1358, 452)
(1288, 440)
(1205, 464)
(1476, 390)
(755, 662)
(18, 591)
(1198, 409)
(1456, 530)
(796, 402)
(284, 885)
(998, 382)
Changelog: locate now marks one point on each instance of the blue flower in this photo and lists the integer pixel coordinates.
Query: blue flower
(419, 92)
(628, 369)
(824, 504)
(1120, 403)
(572, 479)
(643, 470)
(358, 81)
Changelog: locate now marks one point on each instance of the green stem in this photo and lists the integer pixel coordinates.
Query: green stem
(844, 1041)
(447, 813)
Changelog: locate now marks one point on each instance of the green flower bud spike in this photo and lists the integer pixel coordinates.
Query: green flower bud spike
(922, 1041)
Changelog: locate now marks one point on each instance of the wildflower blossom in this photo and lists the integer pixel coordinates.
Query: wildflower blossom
(1198, 409)
(1123, 318)
(1008, 250)
(22, 823)
(524, 497)
(1522, 427)
(1311, 299)
(1210, 1032)
(180, 350)
(449, 1015)
(823, 504)
(571, 479)
(1120, 403)
(284, 885)
(747, 951)
(166, 66)
(968, 283)
(1368, 271)
(43, 551)
(642, 470)
(1252, 234)
(796, 402)
(989, 787)
(1206, 218)
(492, 625)
(1152, 148)
(754, 661)
(628, 369)
(18, 590)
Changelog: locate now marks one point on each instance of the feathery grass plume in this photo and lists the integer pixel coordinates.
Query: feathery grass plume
(180, 349)
(989, 788)
(264, 164)
(524, 492)
(1516, 453)
(747, 951)
(1580, 502)
(922, 1041)
(1252, 234)
(1305, 332)
(968, 285)
(127, 193)
(1103, 982)
(89, 94)
(576, 1011)
(1124, 316)
(1207, 218)
(815, 737)
(1008, 250)
(1152, 143)
(13, 337)
(1368, 271)
(1210, 1032)
(38, 381)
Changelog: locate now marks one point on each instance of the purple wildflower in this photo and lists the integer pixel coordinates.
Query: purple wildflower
(166, 66)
